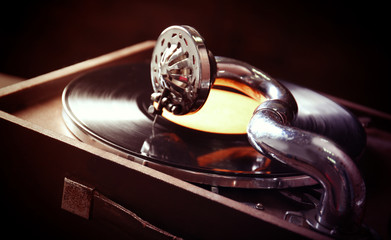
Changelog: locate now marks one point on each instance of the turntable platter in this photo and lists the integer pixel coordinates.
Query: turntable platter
(108, 107)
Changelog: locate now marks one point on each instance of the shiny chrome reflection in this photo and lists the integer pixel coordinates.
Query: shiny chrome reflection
(270, 132)
(343, 198)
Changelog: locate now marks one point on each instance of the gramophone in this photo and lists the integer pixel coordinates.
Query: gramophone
(227, 126)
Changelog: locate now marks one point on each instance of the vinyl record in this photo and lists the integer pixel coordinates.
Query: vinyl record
(108, 107)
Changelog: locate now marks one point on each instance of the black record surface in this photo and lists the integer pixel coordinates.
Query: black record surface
(321, 115)
(110, 105)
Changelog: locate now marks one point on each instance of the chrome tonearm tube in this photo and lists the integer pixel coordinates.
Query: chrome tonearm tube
(182, 73)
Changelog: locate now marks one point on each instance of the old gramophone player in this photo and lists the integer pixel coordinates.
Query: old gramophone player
(223, 124)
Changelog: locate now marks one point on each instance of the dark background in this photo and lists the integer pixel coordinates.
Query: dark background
(335, 47)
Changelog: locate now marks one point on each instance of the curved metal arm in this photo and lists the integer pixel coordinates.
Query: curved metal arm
(182, 72)
(260, 81)
(344, 190)
(269, 131)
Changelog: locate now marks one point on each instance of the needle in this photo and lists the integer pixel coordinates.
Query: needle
(158, 110)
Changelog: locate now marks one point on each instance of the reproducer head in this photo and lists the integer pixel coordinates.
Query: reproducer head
(182, 70)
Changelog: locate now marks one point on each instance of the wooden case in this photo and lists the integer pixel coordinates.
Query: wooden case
(53, 185)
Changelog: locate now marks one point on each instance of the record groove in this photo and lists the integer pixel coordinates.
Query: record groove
(109, 106)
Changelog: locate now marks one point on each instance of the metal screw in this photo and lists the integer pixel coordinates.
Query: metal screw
(176, 109)
(259, 206)
(156, 97)
(151, 110)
